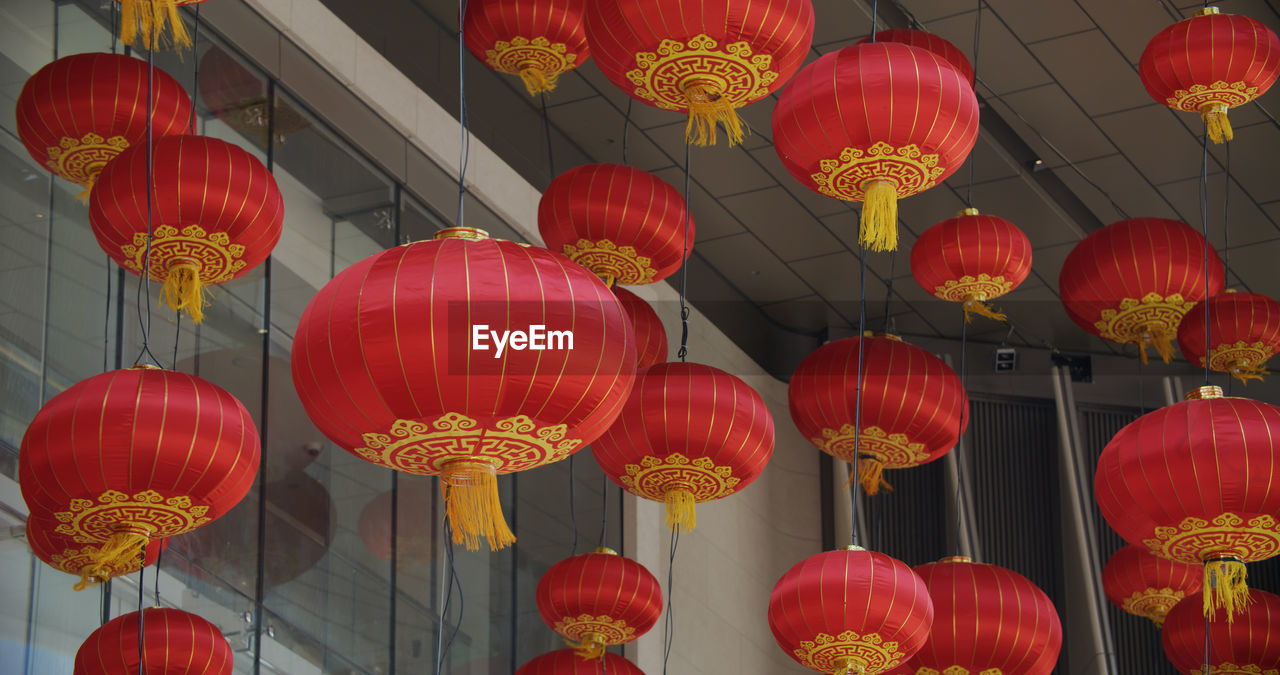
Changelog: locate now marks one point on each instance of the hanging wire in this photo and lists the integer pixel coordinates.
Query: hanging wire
(177, 338)
(854, 495)
(450, 574)
(142, 624)
(546, 130)
(684, 265)
(964, 371)
(144, 282)
(573, 509)
(604, 509)
(626, 128)
(159, 559)
(973, 158)
(106, 320)
(888, 292)
(669, 621)
(875, 12)
(1204, 224)
(1226, 243)
(195, 72)
(464, 134)
(115, 26)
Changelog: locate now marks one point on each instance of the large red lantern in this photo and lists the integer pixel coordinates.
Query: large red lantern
(566, 662)
(153, 23)
(62, 552)
(1198, 482)
(214, 213)
(599, 599)
(651, 335)
(1246, 645)
(873, 123)
(1244, 335)
(538, 41)
(239, 98)
(850, 612)
(1146, 585)
(77, 113)
(464, 357)
(1210, 63)
(1132, 281)
(928, 41)
(971, 259)
(987, 619)
(914, 407)
(706, 59)
(689, 433)
(133, 456)
(626, 225)
(173, 642)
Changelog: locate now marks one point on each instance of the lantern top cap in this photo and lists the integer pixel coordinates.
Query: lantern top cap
(145, 366)
(1204, 393)
(967, 211)
(1207, 11)
(853, 547)
(605, 550)
(468, 233)
(956, 559)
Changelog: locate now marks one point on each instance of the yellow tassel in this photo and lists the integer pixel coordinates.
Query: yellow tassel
(880, 216)
(1157, 619)
(472, 504)
(1216, 123)
(1225, 587)
(707, 108)
(83, 197)
(122, 550)
(870, 476)
(93, 575)
(1245, 372)
(184, 290)
(973, 306)
(1158, 339)
(538, 82)
(681, 509)
(847, 666)
(146, 20)
(591, 647)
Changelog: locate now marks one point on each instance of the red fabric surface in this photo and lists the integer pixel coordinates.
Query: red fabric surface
(988, 617)
(970, 246)
(1204, 50)
(651, 335)
(600, 584)
(63, 552)
(1236, 317)
(174, 643)
(1252, 639)
(559, 21)
(103, 94)
(926, 40)
(565, 662)
(1133, 569)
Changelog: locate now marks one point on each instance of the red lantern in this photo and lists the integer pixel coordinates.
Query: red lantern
(914, 407)
(173, 642)
(971, 259)
(987, 619)
(566, 662)
(1146, 585)
(689, 433)
(928, 41)
(706, 59)
(538, 41)
(1245, 646)
(651, 335)
(599, 599)
(239, 98)
(77, 113)
(133, 456)
(1210, 63)
(626, 225)
(850, 612)
(427, 359)
(147, 20)
(1198, 482)
(1245, 333)
(215, 213)
(415, 524)
(1132, 281)
(874, 123)
(62, 552)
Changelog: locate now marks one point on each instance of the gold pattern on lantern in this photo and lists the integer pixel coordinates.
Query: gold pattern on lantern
(217, 259)
(958, 670)
(80, 160)
(1153, 603)
(1233, 669)
(894, 451)
(608, 629)
(1153, 313)
(1244, 360)
(90, 521)
(908, 168)
(522, 53)
(1195, 97)
(1228, 535)
(510, 444)
(982, 287)
(607, 259)
(733, 72)
(868, 653)
(701, 477)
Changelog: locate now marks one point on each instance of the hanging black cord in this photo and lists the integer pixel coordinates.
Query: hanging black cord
(1208, 668)
(452, 581)
(546, 130)
(573, 508)
(106, 321)
(888, 291)
(604, 509)
(669, 621)
(684, 265)
(1226, 242)
(977, 33)
(464, 135)
(159, 559)
(1204, 224)
(142, 622)
(144, 283)
(115, 26)
(177, 338)
(195, 73)
(875, 18)
(964, 412)
(626, 128)
(855, 484)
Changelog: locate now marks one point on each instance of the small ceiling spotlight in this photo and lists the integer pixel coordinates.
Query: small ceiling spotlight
(1036, 165)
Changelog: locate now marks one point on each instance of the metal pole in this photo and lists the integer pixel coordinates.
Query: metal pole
(956, 467)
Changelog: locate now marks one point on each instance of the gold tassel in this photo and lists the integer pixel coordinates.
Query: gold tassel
(147, 19)
(1216, 123)
(1245, 372)
(880, 216)
(870, 476)
(973, 306)
(122, 550)
(538, 82)
(472, 504)
(591, 647)
(1157, 619)
(184, 290)
(681, 509)
(706, 109)
(1158, 339)
(93, 575)
(847, 666)
(83, 197)
(1226, 587)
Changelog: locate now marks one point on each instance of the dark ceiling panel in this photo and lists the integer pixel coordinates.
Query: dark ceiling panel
(1130, 25)
(1005, 65)
(1249, 224)
(1020, 203)
(781, 223)
(1048, 110)
(1035, 21)
(1104, 82)
(755, 270)
(1154, 139)
(1122, 181)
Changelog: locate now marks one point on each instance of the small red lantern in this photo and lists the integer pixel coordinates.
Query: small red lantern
(173, 642)
(1147, 585)
(850, 612)
(689, 433)
(1197, 482)
(62, 552)
(651, 335)
(626, 225)
(599, 599)
(926, 40)
(240, 99)
(1132, 281)
(706, 59)
(987, 619)
(427, 358)
(133, 456)
(1245, 646)
(77, 113)
(1245, 334)
(1210, 63)
(214, 214)
(873, 123)
(566, 662)
(971, 259)
(146, 21)
(914, 407)
(539, 41)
